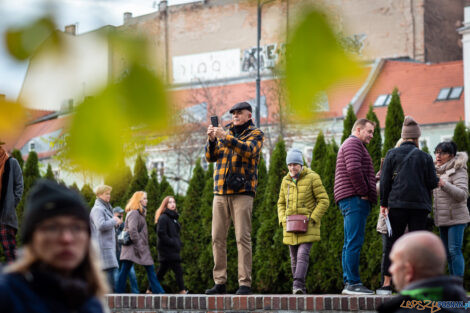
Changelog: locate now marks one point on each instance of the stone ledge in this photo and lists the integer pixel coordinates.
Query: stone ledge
(234, 303)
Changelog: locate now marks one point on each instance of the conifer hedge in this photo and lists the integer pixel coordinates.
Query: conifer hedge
(393, 122)
(348, 123)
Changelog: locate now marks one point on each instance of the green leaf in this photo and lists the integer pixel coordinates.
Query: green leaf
(96, 134)
(123, 114)
(315, 60)
(142, 99)
(22, 42)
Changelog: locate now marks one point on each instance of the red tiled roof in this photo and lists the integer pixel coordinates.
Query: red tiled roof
(224, 97)
(36, 130)
(419, 85)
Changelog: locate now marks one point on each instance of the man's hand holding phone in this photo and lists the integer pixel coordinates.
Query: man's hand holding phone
(211, 132)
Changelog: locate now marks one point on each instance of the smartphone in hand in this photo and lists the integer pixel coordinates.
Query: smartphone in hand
(215, 121)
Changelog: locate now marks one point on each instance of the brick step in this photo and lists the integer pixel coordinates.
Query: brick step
(234, 303)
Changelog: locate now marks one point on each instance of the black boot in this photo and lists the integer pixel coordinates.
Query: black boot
(244, 290)
(218, 289)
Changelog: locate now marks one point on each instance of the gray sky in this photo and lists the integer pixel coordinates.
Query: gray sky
(88, 14)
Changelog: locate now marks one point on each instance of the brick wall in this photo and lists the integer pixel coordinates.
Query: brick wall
(252, 303)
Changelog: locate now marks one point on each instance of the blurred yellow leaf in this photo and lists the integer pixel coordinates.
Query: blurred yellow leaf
(12, 117)
(22, 42)
(315, 61)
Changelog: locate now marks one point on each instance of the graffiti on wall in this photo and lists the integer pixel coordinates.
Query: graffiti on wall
(269, 56)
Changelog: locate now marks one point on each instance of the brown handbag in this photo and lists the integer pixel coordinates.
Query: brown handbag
(295, 223)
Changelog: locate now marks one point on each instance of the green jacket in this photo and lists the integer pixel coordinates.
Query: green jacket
(307, 197)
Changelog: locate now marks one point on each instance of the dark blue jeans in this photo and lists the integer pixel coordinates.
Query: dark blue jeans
(452, 237)
(355, 211)
(126, 266)
(132, 278)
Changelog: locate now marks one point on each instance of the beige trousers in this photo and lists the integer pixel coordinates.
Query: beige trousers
(238, 209)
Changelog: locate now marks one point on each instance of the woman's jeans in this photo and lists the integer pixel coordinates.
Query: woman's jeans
(452, 237)
(132, 278)
(299, 258)
(355, 211)
(126, 266)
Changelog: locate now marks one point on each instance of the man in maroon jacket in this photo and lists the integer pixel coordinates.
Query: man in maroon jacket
(355, 193)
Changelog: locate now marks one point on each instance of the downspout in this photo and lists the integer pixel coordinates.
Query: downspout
(413, 29)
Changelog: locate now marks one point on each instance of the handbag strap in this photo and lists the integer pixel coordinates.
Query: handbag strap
(287, 201)
(399, 167)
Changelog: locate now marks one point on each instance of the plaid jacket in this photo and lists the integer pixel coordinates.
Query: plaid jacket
(245, 153)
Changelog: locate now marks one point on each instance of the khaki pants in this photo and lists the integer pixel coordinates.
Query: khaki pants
(237, 208)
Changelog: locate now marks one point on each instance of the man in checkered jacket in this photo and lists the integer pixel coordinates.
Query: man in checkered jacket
(236, 153)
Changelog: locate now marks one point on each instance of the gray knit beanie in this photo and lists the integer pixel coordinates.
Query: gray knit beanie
(410, 129)
(294, 156)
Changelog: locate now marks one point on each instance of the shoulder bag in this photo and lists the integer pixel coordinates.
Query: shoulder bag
(295, 223)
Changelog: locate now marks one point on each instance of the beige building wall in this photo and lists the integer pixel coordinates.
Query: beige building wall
(419, 29)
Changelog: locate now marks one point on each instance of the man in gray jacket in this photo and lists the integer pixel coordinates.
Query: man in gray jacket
(11, 190)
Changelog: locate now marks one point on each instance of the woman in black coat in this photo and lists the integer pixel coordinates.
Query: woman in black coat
(169, 243)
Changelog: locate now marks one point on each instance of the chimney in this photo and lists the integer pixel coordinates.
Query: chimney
(466, 20)
(163, 5)
(127, 17)
(71, 29)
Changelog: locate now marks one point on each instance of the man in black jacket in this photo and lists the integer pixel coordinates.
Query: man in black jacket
(406, 183)
(418, 265)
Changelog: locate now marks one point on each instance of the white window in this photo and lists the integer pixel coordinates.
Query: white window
(383, 100)
(455, 93)
(159, 167)
(32, 146)
(424, 142)
(449, 93)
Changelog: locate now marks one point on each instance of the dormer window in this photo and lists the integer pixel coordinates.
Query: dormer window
(383, 100)
(449, 93)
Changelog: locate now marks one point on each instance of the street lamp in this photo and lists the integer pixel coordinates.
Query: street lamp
(258, 78)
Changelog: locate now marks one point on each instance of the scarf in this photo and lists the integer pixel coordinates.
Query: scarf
(71, 291)
(238, 130)
(3, 161)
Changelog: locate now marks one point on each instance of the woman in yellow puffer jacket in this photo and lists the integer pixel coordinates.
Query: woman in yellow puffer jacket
(302, 193)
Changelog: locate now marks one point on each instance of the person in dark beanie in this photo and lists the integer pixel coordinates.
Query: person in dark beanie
(11, 191)
(58, 270)
(169, 242)
(236, 152)
(406, 183)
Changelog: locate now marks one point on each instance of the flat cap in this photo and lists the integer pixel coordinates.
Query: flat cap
(241, 106)
(118, 209)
